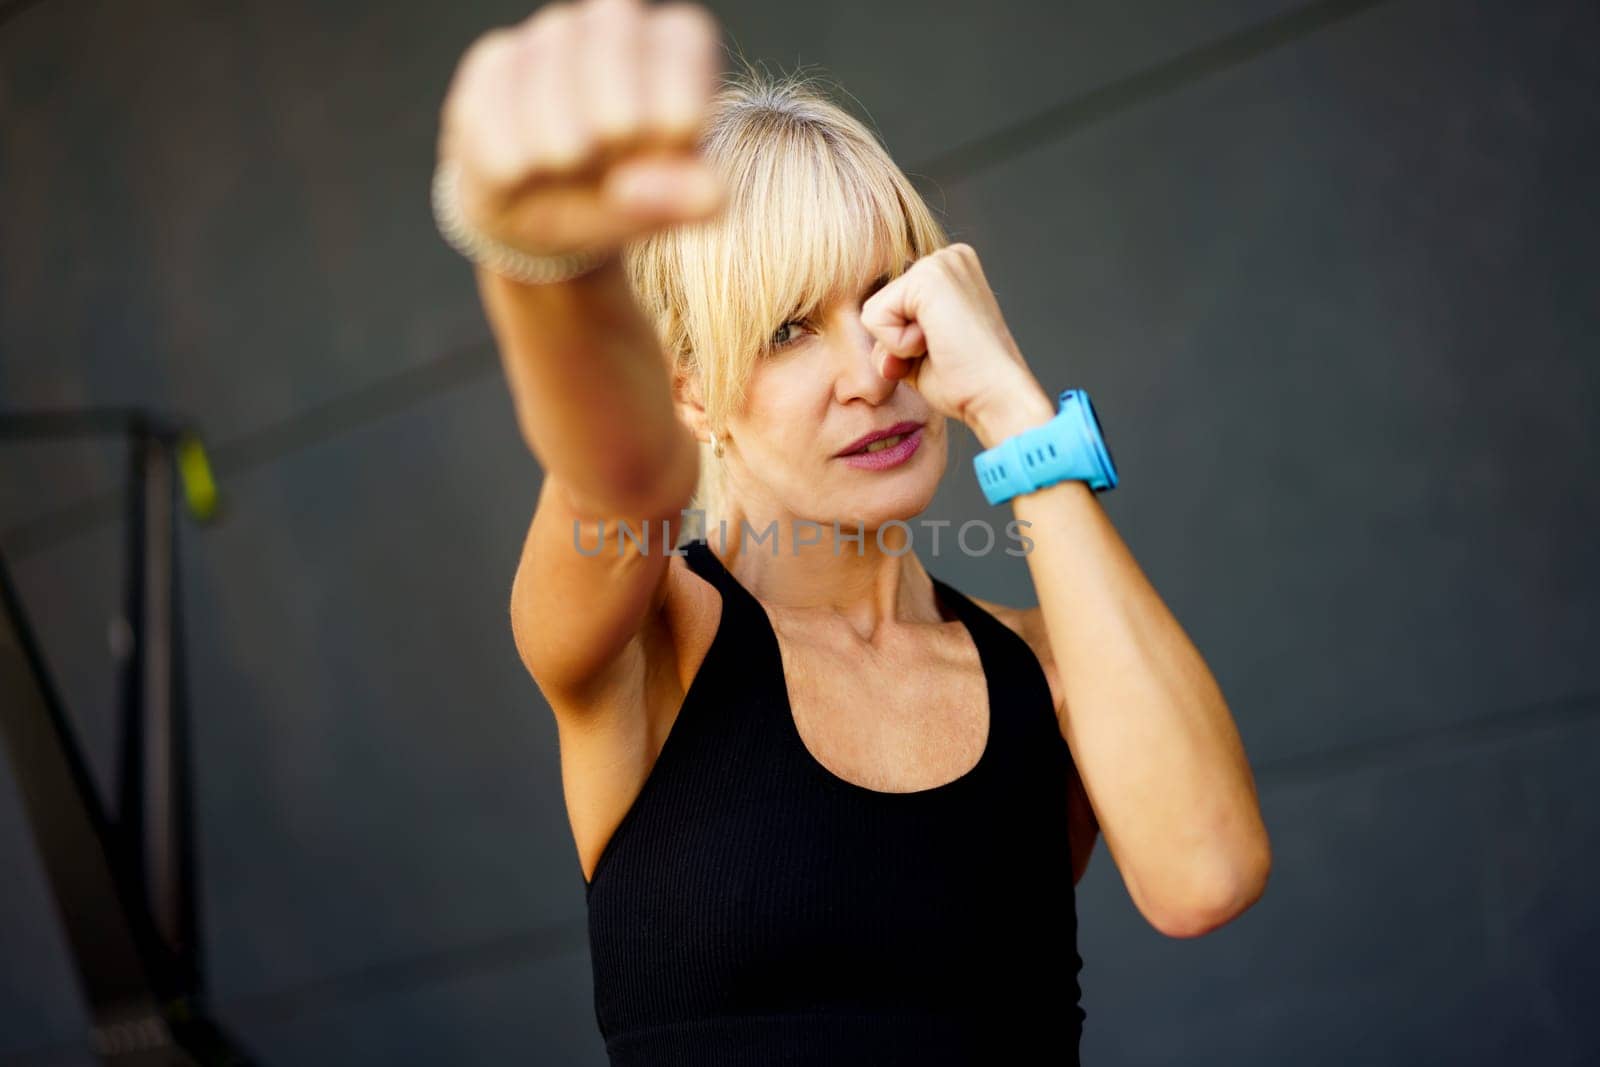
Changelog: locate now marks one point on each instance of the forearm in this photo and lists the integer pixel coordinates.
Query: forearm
(591, 389)
(1149, 729)
(1154, 740)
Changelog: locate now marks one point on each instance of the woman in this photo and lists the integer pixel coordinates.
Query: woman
(827, 808)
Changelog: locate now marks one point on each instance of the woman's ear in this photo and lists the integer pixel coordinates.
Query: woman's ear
(691, 409)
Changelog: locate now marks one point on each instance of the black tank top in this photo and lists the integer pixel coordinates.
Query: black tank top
(754, 909)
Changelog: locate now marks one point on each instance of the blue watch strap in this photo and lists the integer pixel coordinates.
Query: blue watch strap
(1069, 446)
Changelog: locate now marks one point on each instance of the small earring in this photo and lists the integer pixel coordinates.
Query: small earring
(716, 445)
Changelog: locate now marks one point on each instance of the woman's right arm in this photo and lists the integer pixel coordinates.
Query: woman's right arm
(547, 121)
(594, 404)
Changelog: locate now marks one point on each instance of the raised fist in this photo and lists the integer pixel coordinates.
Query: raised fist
(576, 129)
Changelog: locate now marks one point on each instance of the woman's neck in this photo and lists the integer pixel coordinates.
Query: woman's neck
(800, 565)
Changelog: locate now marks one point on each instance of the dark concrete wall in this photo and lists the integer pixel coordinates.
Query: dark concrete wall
(1330, 277)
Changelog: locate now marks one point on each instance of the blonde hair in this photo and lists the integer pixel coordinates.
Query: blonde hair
(812, 194)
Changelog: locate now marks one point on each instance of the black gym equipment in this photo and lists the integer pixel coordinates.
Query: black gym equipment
(124, 886)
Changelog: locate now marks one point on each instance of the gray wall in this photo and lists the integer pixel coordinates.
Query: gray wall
(1330, 276)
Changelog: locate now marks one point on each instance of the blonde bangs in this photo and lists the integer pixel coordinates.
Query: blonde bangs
(814, 203)
(809, 224)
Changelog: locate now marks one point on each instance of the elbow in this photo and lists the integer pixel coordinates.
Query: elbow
(647, 486)
(660, 489)
(1216, 901)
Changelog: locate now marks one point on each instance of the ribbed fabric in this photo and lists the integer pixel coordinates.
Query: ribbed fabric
(754, 908)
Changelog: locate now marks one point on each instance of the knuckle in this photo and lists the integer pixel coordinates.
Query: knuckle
(550, 23)
(480, 55)
(609, 13)
(955, 258)
(691, 16)
(491, 41)
(686, 25)
(559, 20)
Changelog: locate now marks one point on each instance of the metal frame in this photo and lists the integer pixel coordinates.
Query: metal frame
(126, 886)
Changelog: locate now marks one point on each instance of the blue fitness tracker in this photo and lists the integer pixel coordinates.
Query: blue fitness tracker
(1069, 446)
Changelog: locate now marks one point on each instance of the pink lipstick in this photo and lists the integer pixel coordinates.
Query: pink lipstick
(901, 443)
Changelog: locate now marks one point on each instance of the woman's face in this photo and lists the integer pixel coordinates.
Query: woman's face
(811, 397)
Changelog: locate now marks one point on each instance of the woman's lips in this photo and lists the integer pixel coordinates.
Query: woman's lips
(884, 458)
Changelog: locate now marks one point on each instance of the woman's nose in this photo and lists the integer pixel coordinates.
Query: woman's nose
(856, 373)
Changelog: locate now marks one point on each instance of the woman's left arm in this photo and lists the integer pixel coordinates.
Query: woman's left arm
(1154, 742)
(1152, 737)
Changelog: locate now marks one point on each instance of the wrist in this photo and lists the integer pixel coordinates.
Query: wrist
(1010, 413)
(518, 264)
(1066, 446)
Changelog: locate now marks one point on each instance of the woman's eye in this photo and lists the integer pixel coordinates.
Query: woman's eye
(781, 339)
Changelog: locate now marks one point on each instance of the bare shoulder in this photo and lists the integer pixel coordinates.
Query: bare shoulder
(1028, 624)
